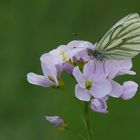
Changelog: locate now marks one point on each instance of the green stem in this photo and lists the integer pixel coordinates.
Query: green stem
(87, 121)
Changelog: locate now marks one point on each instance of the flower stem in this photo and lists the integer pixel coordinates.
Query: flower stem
(74, 100)
(87, 121)
(85, 118)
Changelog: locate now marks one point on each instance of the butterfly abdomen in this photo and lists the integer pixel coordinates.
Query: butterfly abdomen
(95, 54)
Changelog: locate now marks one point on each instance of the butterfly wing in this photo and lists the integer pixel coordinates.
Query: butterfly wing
(122, 41)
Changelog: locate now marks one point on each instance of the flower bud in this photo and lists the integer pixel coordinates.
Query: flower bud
(57, 121)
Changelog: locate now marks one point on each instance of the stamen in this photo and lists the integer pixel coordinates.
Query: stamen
(64, 56)
(88, 84)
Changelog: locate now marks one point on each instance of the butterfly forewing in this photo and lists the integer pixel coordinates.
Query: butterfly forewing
(122, 41)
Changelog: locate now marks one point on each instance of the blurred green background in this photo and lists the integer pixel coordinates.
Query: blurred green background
(29, 28)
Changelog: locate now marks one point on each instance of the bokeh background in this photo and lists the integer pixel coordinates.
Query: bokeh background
(29, 28)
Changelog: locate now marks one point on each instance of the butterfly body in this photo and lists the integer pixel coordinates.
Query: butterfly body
(95, 54)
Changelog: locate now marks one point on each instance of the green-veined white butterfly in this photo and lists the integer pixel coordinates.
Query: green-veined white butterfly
(122, 41)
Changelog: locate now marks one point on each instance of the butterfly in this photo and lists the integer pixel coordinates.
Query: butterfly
(121, 41)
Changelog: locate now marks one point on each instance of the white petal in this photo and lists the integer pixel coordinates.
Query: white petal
(89, 69)
(99, 72)
(129, 90)
(49, 68)
(129, 72)
(117, 89)
(112, 68)
(82, 94)
(101, 88)
(79, 76)
(38, 80)
(126, 64)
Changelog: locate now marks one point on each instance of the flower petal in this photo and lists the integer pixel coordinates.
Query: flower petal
(126, 64)
(50, 59)
(99, 71)
(101, 88)
(79, 44)
(47, 64)
(38, 80)
(129, 72)
(129, 90)
(112, 68)
(82, 94)
(118, 67)
(49, 68)
(68, 68)
(74, 43)
(89, 69)
(76, 47)
(117, 89)
(99, 105)
(79, 76)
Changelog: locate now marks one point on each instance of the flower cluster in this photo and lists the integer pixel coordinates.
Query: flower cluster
(95, 79)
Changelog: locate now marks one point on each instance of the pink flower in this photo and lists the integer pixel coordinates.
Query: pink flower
(73, 52)
(51, 70)
(91, 83)
(75, 48)
(115, 68)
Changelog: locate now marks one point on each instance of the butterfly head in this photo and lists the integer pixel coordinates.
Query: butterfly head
(95, 54)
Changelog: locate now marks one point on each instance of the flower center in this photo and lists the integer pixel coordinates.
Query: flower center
(88, 84)
(64, 56)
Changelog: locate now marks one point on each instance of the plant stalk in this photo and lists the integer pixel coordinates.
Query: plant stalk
(87, 121)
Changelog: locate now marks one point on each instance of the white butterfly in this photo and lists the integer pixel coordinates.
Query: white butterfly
(122, 41)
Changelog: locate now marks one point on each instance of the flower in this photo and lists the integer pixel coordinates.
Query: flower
(75, 48)
(95, 78)
(115, 68)
(57, 121)
(51, 70)
(74, 53)
(125, 91)
(99, 105)
(91, 83)
(56, 61)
